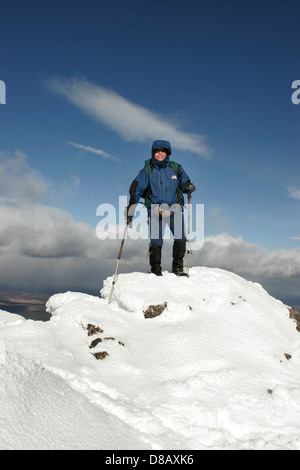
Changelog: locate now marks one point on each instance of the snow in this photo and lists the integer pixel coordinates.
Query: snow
(219, 368)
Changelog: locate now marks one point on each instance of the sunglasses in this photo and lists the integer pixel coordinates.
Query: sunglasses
(160, 150)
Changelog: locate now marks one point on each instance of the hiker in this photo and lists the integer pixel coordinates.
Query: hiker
(162, 183)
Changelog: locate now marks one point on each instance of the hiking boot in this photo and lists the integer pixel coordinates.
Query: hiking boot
(179, 272)
(178, 255)
(155, 259)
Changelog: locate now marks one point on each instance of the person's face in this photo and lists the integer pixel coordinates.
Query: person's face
(160, 154)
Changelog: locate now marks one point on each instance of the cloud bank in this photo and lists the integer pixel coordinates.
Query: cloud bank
(130, 120)
(20, 182)
(43, 248)
(235, 254)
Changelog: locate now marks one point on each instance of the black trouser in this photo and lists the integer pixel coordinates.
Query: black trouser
(157, 226)
(178, 256)
(155, 259)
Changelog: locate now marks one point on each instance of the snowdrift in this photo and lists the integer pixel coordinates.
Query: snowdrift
(206, 362)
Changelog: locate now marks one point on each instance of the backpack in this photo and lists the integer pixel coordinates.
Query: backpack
(148, 168)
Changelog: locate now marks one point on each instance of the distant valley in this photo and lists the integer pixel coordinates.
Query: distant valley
(29, 305)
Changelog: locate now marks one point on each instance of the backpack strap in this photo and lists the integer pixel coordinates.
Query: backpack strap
(175, 167)
(146, 194)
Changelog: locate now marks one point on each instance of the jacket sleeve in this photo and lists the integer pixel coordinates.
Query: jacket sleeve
(138, 187)
(183, 180)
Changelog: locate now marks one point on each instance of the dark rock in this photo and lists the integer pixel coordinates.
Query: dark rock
(154, 310)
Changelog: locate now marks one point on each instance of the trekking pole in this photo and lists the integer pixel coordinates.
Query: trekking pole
(118, 262)
(189, 245)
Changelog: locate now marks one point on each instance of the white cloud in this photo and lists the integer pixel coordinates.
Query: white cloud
(100, 152)
(130, 120)
(245, 258)
(294, 193)
(18, 181)
(44, 248)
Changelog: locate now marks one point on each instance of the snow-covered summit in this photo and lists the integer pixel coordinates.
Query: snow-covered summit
(206, 362)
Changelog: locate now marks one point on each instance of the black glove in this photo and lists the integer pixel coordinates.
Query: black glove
(129, 214)
(189, 187)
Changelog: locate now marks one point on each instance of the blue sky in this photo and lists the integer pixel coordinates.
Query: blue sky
(213, 77)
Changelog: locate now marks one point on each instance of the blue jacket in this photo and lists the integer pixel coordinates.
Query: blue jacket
(164, 185)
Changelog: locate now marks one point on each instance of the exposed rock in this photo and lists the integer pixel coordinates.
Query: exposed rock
(93, 329)
(295, 316)
(101, 355)
(154, 310)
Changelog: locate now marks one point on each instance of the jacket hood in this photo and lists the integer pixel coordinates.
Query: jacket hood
(161, 144)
